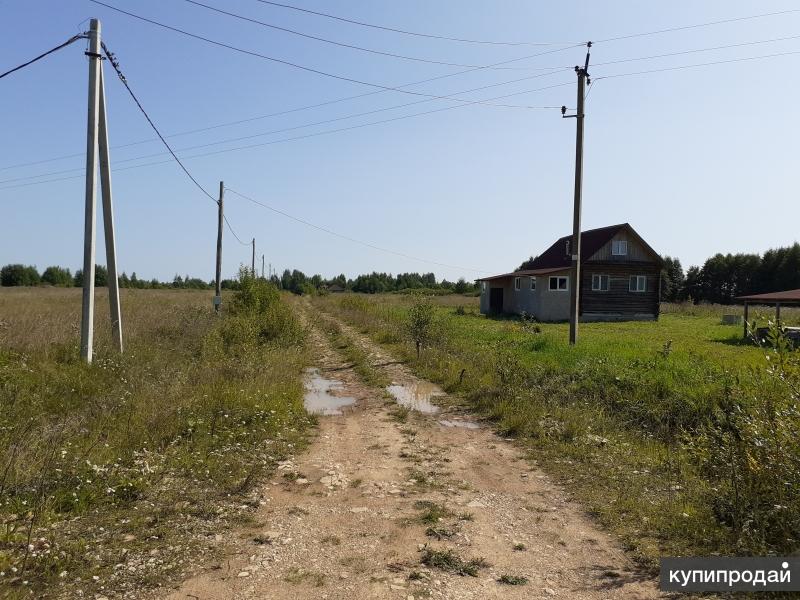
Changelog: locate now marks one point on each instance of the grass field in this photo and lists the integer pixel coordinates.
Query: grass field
(143, 457)
(676, 434)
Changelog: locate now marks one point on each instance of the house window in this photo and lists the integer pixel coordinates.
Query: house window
(619, 248)
(517, 283)
(559, 284)
(638, 283)
(600, 283)
(533, 283)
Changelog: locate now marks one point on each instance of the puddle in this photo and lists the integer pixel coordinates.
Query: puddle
(416, 396)
(319, 398)
(459, 423)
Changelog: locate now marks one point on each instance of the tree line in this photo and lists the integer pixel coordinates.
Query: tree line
(372, 283)
(724, 277)
(291, 280)
(28, 275)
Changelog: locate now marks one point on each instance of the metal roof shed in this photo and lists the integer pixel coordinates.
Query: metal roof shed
(787, 297)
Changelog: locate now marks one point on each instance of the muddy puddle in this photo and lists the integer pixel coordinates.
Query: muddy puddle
(416, 396)
(459, 423)
(319, 398)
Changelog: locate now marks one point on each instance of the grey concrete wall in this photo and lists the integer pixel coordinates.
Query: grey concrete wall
(542, 303)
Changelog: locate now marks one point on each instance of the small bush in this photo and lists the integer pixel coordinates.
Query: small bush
(448, 560)
(512, 580)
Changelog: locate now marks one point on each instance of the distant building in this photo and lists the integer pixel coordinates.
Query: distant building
(620, 280)
(335, 288)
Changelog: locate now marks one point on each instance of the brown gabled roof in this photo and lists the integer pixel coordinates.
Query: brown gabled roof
(773, 297)
(591, 242)
(525, 273)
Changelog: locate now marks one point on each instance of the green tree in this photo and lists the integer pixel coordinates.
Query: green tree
(421, 322)
(672, 280)
(461, 286)
(56, 275)
(15, 275)
(526, 264)
(100, 277)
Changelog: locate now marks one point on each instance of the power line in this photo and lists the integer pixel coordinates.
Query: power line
(697, 25)
(339, 100)
(707, 64)
(303, 126)
(312, 106)
(413, 33)
(74, 38)
(696, 50)
(340, 44)
(114, 63)
(230, 228)
(350, 239)
(295, 138)
(329, 132)
(282, 61)
(280, 113)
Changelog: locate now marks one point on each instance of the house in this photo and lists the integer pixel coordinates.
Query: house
(620, 280)
(335, 288)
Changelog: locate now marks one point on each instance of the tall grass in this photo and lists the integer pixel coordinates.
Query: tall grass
(677, 434)
(150, 446)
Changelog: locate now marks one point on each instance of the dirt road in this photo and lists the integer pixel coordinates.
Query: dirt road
(381, 492)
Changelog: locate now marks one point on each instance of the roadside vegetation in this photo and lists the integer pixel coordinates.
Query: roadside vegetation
(119, 474)
(677, 435)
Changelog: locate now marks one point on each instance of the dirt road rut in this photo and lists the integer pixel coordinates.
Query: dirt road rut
(381, 492)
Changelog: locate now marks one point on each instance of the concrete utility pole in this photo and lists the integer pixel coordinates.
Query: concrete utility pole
(253, 263)
(220, 217)
(262, 266)
(575, 246)
(108, 219)
(87, 312)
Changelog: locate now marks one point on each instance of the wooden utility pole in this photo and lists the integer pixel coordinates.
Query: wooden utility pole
(108, 219)
(220, 217)
(575, 246)
(253, 263)
(87, 311)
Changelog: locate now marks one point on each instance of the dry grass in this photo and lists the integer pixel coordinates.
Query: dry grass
(41, 319)
(140, 451)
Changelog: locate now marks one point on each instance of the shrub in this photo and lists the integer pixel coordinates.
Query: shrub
(57, 276)
(15, 275)
(420, 322)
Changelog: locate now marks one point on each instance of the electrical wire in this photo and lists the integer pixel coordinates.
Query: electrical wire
(230, 228)
(707, 64)
(115, 64)
(71, 40)
(696, 50)
(413, 33)
(303, 126)
(280, 113)
(286, 62)
(697, 25)
(348, 238)
(341, 44)
(291, 139)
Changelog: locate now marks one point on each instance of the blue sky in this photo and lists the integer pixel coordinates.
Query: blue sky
(698, 160)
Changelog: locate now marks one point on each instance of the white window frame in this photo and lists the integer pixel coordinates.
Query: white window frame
(635, 280)
(517, 284)
(483, 286)
(558, 278)
(533, 284)
(598, 277)
(619, 248)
